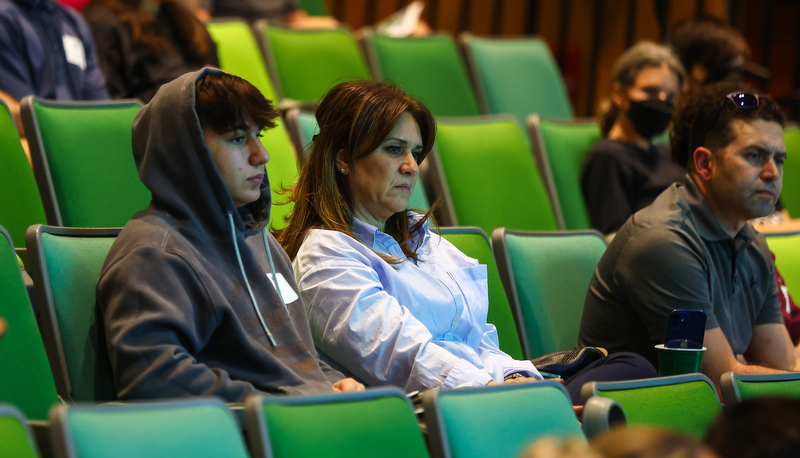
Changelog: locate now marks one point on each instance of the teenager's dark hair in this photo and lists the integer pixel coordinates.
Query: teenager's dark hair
(696, 109)
(224, 102)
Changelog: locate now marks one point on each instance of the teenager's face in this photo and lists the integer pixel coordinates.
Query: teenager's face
(240, 159)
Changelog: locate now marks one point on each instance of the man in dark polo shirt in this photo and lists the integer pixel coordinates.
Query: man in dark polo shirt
(693, 248)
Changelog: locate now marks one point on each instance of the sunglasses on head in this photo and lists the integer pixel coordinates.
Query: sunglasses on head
(743, 100)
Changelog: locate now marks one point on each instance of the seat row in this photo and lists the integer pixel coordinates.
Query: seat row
(65, 263)
(517, 76)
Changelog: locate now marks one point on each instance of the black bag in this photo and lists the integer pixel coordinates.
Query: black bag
(566, 363)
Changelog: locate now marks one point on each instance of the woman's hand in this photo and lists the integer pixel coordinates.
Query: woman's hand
(347, 384)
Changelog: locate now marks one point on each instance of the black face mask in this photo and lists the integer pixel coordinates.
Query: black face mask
(650, 117)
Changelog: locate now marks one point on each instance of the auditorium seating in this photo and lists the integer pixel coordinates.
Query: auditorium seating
(376, 422)
(65, 265)
(736, 388)
(26, 380)
(559, 148)
(687, 403)
(484, 168)
(429, 68)
(16, 179)
(517, 76)
(546, 276)
(83, 161)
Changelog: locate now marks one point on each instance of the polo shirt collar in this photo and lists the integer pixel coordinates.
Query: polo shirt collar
(708, 225)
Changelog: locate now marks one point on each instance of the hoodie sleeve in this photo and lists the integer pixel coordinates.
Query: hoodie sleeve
(157, 315)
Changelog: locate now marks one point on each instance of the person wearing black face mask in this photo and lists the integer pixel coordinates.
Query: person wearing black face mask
(625, 171)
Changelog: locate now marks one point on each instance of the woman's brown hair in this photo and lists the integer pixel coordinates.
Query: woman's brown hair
(354, 117)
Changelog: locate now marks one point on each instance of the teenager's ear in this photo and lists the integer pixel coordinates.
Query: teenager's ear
(702, 162)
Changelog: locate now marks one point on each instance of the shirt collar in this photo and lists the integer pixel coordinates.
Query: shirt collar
(369, 235)
(708, 225)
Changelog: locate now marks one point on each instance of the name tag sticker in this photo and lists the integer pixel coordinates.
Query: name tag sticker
(287, 292)
(73, 49)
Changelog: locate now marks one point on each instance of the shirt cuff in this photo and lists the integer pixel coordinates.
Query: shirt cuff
(466, 374)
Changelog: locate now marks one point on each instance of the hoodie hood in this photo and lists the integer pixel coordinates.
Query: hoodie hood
(175, 164)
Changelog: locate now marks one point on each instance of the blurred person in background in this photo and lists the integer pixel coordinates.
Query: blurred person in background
(625, 171)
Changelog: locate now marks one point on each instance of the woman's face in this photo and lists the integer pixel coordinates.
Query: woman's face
(652, 83)
(381, 182)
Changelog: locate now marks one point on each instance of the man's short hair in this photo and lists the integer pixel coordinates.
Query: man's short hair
(224, 103)
(691, 118)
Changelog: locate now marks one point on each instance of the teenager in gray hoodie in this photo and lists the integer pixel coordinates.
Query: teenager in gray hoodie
(197, 297)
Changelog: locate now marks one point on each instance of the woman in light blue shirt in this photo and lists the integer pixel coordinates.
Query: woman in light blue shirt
(387, 299)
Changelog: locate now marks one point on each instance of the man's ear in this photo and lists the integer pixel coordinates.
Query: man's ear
(341, 162)
(703, 162)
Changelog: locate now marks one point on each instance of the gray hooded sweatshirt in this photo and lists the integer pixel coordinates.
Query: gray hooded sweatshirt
(186, 292)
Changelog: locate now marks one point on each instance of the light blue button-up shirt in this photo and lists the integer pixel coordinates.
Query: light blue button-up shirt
(417, 325)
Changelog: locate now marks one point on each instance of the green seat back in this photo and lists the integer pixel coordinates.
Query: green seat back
(16, 179)
(518, 76)
(473, 242)
(788, 388)
(189, 427)
(308, 63)
(17, 441)
(741, 387)
(491, 175)
(500, 421)
(686, 403)
(790, 196)
(786, 247)
(564, 145)
(239, 53)
(548, 274)
(378, 422)
(83, 161)
(26, 381)
(282, 170)
(65, 265)
(429, 69)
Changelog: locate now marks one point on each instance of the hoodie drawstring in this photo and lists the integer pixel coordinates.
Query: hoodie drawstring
(247, 283)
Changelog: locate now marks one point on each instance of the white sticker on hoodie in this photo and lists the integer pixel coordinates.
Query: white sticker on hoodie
(73, 49)
(287, 292)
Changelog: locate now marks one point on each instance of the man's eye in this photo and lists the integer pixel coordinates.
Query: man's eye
(239, 139)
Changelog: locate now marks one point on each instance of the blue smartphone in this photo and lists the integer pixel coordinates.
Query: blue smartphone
(685, 329)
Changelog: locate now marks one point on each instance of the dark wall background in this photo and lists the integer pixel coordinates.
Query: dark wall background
(587, 36)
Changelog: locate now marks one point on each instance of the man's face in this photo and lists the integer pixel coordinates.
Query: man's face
(746, 177)
(240, 158)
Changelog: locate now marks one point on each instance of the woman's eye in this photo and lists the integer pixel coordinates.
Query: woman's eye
(417, 156)
(393, 149)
